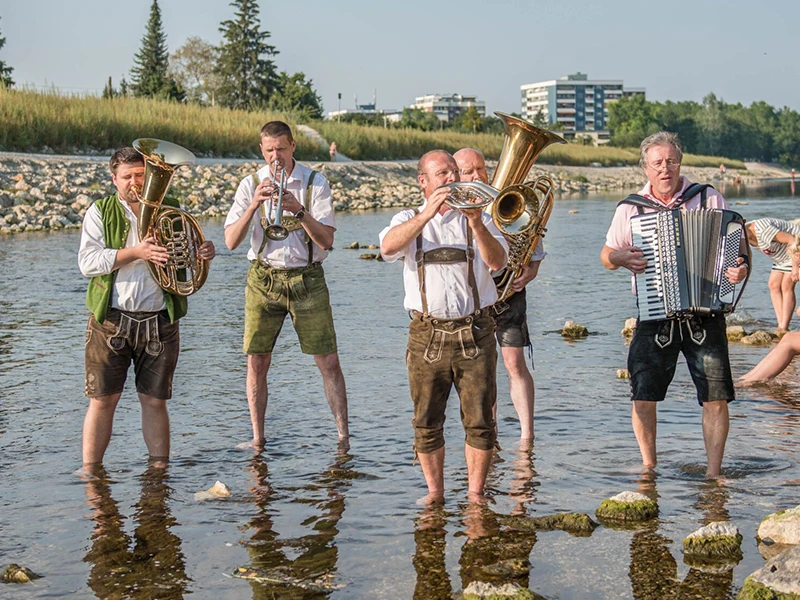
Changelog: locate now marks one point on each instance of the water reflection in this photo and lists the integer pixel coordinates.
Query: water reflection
(654, 571)
(151, 564)
(312, 570)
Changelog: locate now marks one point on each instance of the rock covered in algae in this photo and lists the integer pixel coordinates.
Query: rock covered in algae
(353, 246)
(735, 333)
(758, 338)
(218, 490)
(368, 256)
(718, 541)
(623, 374)
(628, 507)
(630, 327)
(13, 573)
(572, 330)
(778, 579)
(479, 590)
(575, 523)
(781, 527)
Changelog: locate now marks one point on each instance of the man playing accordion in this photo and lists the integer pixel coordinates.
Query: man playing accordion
(654, 350)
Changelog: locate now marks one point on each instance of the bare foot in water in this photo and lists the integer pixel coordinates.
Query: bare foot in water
(252, 444)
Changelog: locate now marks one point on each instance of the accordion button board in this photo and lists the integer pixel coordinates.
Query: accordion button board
(687, 254)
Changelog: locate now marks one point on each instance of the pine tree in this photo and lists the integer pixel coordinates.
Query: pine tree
(108, 91)
(5, 70)
(123, 87)
(247, 76)
(149, 73)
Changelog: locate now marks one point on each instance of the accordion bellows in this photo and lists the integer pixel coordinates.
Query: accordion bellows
(687, 255)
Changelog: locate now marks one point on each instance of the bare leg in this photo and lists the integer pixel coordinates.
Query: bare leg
(775, 293)
(478, 462)
(715, 432)
(433, 469)
(521, 388)
(789, 301)
(644, 419)
(335, 390)
(777, 360)
(97, 426)
(155, 426)
(257, 368)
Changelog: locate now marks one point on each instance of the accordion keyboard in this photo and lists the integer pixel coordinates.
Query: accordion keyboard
(649, 285)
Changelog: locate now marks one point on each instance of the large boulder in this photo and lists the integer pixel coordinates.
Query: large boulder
(778, 579)
(781, 527)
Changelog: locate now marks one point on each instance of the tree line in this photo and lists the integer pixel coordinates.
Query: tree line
(711, 127)
(239, 73)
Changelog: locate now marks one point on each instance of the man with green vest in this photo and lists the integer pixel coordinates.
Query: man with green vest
(132, 319)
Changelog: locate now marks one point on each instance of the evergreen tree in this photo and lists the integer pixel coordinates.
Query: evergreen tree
(108, 91)
(5, 70)
(123, 87)
(247, 76)
(149, 73)
(296, 94)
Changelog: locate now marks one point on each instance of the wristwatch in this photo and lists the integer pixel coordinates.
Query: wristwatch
(300, 214)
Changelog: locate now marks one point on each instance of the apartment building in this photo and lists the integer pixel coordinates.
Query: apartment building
(448, 106)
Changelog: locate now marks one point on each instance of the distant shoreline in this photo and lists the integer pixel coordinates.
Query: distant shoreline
(42, 191)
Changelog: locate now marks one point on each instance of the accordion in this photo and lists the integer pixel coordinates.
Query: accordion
(687, 254)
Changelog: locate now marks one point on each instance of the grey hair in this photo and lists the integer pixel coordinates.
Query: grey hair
(662, 138)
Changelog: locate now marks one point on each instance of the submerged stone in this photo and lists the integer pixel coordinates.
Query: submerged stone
(628, 507)
(781, 527)
(479, 590)
(758, 338)
(716, 542)
(13, 573)
(572, 330)
(574, 523)
(735, 333)
(630, 327)
(218, 490)
(353, 246)
(368, 256)
(778, 579)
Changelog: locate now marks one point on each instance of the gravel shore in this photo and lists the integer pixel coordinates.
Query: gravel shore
(43, 192)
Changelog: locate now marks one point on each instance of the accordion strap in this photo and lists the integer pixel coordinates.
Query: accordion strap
(640, 202)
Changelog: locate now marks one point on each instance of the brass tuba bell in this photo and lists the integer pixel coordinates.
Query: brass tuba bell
(520, 209)
(174, 229)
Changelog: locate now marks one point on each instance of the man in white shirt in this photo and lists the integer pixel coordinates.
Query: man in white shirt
(448, 257)
(512, 323)
(286, 276)
(133, 319)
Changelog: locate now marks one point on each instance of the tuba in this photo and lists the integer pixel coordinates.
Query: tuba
(174, 229)
(520, 210)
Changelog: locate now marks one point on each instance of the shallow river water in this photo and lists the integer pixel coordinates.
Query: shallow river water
(322, 522)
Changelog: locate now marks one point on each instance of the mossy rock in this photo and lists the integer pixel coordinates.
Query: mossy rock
(629, 329)
(479, 590)
(368, 256)
(627, 507)
(13, 573)
(758, 338)
(719, 541)
(623, 374)
(752, 590)
(574, 523)
(735, 333)
(572, 330)
(353, 246)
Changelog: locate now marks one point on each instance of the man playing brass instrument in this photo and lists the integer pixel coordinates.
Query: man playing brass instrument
(286, 275)
(132, 319)
(512, 322)
(449, 291)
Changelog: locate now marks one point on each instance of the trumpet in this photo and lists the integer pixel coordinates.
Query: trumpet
(273, 228)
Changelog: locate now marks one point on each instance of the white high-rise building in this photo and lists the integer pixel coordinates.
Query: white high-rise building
(578, 103)
(448, 106)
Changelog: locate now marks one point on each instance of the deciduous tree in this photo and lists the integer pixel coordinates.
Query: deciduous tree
(192, 66)
(5, 70)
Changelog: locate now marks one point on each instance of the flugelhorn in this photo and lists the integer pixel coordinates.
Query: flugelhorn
(273, 227)
(172, 228)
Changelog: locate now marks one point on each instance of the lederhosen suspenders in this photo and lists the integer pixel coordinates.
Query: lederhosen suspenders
(447, 256)
(640, 202)
(264, 223)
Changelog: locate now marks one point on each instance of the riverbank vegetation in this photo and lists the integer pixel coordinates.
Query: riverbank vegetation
(51, 122)
(756, 132)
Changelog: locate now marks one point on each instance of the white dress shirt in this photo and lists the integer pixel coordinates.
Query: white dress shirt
(134, 286)
(291, 253)
(446, 285)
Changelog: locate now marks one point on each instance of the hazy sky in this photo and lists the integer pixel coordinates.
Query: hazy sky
(742, 50)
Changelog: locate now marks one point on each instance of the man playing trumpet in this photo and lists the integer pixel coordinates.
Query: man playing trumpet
(286, 275)
(448, 256)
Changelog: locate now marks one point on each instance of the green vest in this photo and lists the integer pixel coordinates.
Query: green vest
(115, 233)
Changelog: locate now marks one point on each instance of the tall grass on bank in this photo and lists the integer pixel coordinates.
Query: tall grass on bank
(363, 142)
(31, 121)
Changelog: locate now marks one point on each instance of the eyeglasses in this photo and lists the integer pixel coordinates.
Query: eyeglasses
(661, 165)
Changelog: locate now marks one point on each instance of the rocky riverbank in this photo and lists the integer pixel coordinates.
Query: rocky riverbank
(38, 192)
